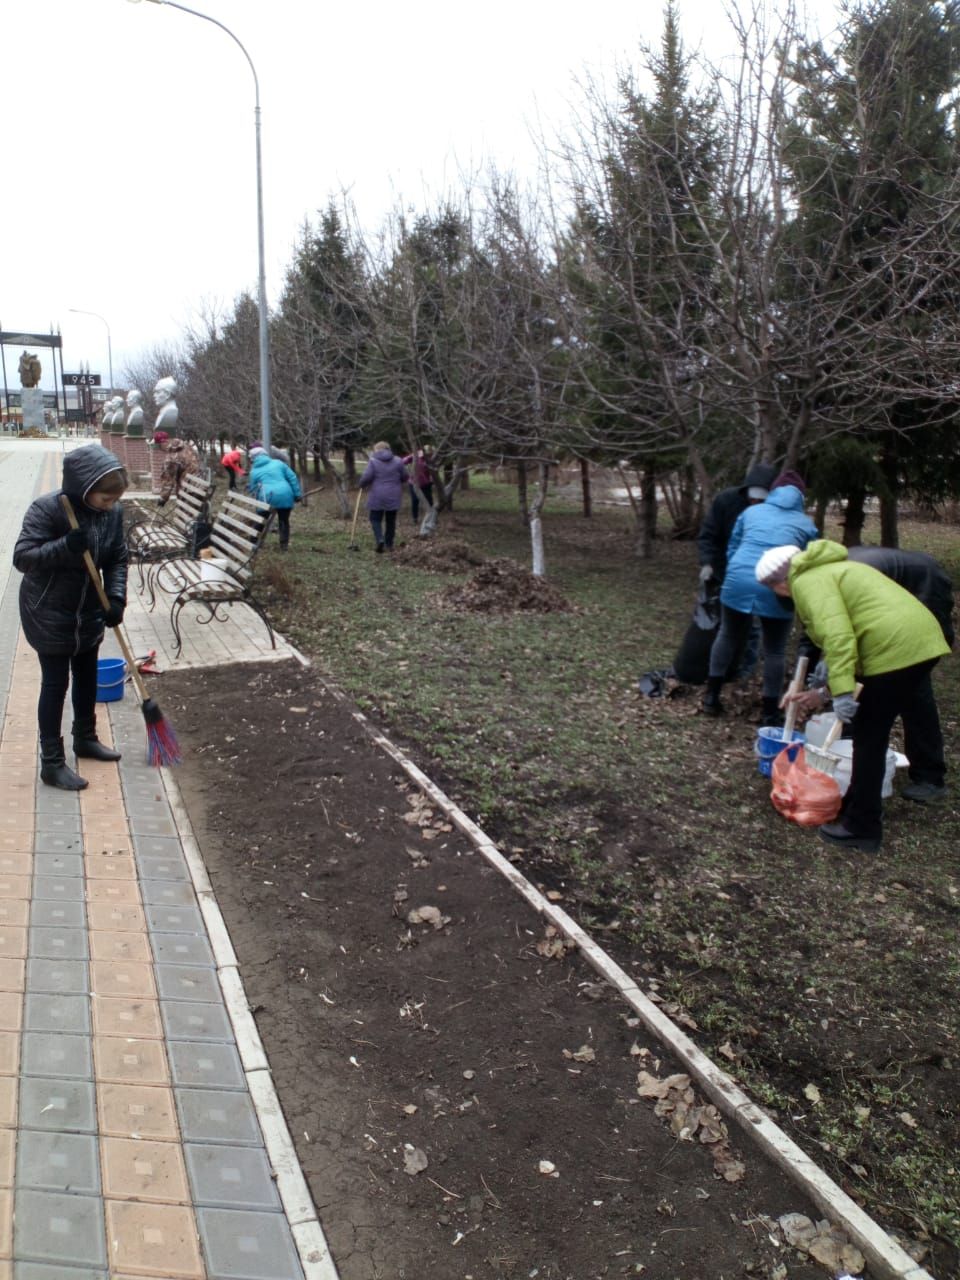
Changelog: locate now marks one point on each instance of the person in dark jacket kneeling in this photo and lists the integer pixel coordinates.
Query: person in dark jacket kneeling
(60, 612)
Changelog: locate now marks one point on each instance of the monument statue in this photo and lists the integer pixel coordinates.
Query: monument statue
(29, 370)
(164, 394)
(113, 415)
(134, 413)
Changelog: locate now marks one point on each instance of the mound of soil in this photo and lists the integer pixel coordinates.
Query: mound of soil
(502, 586)
(450, 556)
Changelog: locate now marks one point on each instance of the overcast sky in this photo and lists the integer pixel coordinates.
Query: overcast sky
(129, 135)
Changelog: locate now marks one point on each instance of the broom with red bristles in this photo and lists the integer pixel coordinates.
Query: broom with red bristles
(162, 745)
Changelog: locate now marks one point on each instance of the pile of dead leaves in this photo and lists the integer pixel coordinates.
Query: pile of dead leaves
(438, 556)
(690, 1119)
(503, 586)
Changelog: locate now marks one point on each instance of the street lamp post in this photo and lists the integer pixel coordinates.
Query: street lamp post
(77, 312)
(262, 278)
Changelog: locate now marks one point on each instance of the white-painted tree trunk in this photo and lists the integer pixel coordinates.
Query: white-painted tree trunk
(539, 568)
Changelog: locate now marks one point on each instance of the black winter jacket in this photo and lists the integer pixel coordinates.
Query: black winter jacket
(60, 610)
(917, 573)
(718, 523)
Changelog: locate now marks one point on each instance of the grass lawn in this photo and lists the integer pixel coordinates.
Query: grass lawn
(826, 982)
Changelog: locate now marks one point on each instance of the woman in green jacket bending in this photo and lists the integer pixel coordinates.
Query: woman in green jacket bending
(872, 630)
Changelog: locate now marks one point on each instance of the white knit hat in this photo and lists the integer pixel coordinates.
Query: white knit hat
(774, 565)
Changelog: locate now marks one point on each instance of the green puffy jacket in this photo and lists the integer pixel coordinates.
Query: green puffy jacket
(864, 622)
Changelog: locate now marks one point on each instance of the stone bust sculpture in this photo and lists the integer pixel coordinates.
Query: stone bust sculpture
(113, 418)
(29, 370)
(164, 394)
(134, 413)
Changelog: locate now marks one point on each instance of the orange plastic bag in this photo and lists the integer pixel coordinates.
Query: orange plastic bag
(801, 793)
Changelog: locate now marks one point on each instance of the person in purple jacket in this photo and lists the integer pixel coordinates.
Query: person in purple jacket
(384, 478)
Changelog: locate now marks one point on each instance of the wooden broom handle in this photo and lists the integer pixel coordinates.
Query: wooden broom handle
(837, 726)
(97, 581)
(796, 684)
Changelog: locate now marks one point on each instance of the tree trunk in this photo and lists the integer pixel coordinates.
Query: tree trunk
(339, 486)
(820, 515)
(687, 518)
(538, 563)
(465, 481)
(889, 516)
(648, 512)
(585, 488)
(522, 497)
(350, 468)
(853, 518)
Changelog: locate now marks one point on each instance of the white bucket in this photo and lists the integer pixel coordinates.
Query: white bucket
(842, 764)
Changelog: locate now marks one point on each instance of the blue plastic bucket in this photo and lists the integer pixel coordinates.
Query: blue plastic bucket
(770, 743)
(111, 677)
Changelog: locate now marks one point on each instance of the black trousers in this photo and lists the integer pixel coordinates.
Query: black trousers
(884, 697)
(283, 525)
(384, 526)
(55, 672)
(231, 478)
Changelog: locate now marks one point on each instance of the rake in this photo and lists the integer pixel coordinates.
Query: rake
(162, 745)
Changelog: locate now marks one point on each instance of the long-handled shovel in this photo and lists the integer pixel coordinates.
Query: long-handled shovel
(796, 684)
(353, 528)
(162, 745)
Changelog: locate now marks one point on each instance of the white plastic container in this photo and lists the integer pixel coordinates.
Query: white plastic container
(214, 570)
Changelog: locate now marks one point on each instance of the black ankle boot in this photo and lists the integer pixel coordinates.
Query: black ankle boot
(53, 767)
(712, 706)
(86, 744)
(772, 715)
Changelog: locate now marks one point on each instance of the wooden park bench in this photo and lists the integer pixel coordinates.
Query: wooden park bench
(172, 534)
(226, 578)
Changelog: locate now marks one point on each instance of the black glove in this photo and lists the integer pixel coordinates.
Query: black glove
(114, 615)
(77, 541)
(162, 502)
(298, 499)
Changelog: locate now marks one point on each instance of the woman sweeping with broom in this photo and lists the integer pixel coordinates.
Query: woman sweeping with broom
(61, 611)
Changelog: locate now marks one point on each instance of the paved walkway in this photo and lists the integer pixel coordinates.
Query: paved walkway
(139, 1131)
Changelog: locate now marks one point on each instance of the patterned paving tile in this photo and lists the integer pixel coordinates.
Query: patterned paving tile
(66, 1162)
(205, 1065)
(116, 917)
(107, 946)
(48, 1012)
(62, 1056)
(214, 1115)
(56, 1228)
(256, 1246)
(68, 976)
(125, 978)
(137, 1111)
(65, 1106)
(231, 1177)
(121, 1060)
(135, 1169)
(12, 974)
(185, 1020)
(189, 982)
(143, 1234)
(137, 1018)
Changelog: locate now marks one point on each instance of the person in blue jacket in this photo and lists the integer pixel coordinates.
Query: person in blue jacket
(273, 481)
(776, 522)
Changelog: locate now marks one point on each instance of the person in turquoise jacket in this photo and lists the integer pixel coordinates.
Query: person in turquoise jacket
(273, 481)
(778, 520)
(871, 630)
